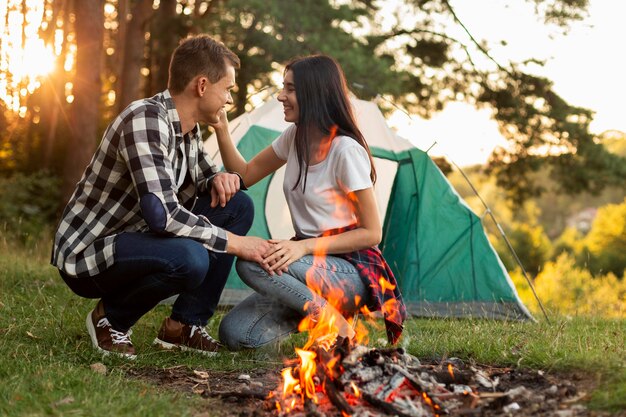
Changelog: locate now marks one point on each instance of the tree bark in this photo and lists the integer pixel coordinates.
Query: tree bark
(166, 34)
(87, 91)
(129, 87)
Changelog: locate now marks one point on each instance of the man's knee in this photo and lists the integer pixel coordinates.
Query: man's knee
(245, 210)
(192, 265)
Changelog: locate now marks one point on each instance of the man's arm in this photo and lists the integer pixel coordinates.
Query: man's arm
(144, 147)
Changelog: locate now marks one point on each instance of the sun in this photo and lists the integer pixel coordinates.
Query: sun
(24, 57)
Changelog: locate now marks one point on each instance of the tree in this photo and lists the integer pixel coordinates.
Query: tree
(131, 48)
(84, 118)
(415, 62)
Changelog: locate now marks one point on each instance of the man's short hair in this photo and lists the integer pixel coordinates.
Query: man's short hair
(199, 55)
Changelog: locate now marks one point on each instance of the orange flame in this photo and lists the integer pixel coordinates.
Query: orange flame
(290, 384)
(324, 321)
(307, 371)
(451, 370)
(385, 285)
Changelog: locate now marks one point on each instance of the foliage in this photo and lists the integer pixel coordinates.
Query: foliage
(570, 242)
(531, 245)
(566, 289)
(411, 59)
(606, 241)
(28, 205)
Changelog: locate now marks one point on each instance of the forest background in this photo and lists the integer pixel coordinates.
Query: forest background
(557, 190)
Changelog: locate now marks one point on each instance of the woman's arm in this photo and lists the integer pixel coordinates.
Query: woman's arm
(263, 164)
(367, 234)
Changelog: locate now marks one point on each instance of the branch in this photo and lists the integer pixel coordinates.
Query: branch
(441, 35)
(478, 45)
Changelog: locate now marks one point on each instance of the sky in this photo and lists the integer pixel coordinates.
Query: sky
(587, 66)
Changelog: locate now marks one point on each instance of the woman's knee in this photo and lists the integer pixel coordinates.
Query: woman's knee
(230, 333)
(249, 271)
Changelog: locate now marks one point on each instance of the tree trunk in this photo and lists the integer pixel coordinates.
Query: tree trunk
(129, 87)
(166, 33)
(87, 91)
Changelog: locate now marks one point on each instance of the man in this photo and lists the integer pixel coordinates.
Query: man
(151, 216)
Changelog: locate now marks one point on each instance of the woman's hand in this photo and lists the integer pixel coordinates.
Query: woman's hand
(221, 123)
(282, 253)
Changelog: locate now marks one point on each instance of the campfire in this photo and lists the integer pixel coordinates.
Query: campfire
(336, 375)
(356, 381)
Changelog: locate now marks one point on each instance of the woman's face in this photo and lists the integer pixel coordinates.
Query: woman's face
(288, 97)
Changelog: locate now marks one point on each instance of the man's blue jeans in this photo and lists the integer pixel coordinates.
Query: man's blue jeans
(149, 268)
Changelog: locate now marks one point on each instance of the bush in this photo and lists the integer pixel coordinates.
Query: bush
(29, 204)
(606, 241)
(531, 245)
(565, 288)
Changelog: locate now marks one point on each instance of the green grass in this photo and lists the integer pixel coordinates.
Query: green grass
(45, 352)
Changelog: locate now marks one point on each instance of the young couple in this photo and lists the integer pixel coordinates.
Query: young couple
(152, 217)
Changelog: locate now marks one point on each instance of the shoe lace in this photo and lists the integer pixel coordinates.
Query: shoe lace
(202, 332)
(118, 338)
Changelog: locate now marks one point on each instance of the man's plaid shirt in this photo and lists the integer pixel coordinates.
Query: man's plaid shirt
(139, 154)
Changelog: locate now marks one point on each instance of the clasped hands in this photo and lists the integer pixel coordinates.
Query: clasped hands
(281, 254)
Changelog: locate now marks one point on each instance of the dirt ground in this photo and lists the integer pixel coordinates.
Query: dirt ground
(518, 392)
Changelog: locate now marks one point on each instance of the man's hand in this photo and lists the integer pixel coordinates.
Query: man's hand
(223, 187)
(250, 248)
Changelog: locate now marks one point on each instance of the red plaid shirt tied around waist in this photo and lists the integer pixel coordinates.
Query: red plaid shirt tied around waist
(386, 296)
(378, 276)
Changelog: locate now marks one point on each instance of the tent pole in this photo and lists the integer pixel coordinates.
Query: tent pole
(508, 243)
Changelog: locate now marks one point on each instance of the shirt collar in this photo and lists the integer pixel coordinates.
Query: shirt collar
(172, 114)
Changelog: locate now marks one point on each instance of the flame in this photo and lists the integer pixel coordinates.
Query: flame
(391, 311)
(355, 389)
(325, 143)
(451, 370)
(385, 285)
(324, 321)
(307, 371)
(290, 384)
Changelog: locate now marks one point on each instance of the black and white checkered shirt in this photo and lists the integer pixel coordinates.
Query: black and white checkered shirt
(140, 154)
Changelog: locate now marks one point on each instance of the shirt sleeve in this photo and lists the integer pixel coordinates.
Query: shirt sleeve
(144, 147)
(283, 143)
(353, 168)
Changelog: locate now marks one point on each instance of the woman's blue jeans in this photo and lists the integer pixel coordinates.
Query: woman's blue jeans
(149, 268)
(278, 304)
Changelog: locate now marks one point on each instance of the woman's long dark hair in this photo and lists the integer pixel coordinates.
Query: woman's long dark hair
(323, 103)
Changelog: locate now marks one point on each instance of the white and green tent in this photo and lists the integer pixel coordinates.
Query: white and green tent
(434, 243)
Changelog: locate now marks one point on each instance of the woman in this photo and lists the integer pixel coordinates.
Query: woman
(329, 190)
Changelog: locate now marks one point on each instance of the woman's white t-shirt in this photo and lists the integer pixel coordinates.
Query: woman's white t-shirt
(325, 204)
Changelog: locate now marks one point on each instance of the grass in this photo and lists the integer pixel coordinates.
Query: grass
(45, 353)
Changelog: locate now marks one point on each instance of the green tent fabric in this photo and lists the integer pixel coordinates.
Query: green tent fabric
(434, 243)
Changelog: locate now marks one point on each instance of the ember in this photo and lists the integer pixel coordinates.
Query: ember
(359, 382)
(365, 382)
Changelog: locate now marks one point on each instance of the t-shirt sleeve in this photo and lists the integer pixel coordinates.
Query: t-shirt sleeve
(282, 144)
(353, 168)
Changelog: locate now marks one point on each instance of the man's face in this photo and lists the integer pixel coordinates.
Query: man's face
(214, 97)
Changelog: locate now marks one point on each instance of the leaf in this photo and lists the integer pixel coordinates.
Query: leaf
(201, 374)
(64, 401)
